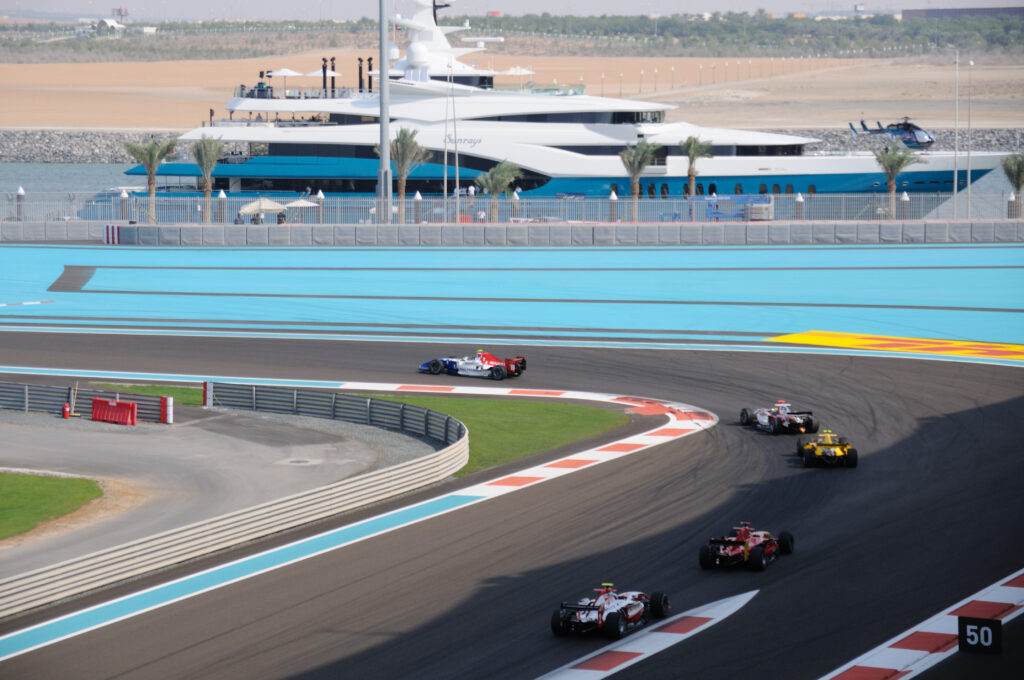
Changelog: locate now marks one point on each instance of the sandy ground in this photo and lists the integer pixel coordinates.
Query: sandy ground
(743, 93)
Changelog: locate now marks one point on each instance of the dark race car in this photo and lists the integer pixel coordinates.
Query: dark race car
(827, 448)
(745, 545)
(609, 612)
(479, 365)
(780, 418)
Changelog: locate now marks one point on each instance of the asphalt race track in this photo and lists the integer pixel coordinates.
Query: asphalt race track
(932, 515)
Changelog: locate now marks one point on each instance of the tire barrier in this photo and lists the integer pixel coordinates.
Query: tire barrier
(113, 411)
(137, 558)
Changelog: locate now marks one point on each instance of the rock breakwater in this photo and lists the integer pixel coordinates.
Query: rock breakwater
(85, 146)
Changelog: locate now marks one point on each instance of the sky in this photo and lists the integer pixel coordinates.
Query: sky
(313, 10)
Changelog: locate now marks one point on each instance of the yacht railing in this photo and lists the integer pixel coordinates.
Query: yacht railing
(270, 92)
(481, 209)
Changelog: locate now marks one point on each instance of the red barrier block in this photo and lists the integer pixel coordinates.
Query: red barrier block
(119, 412)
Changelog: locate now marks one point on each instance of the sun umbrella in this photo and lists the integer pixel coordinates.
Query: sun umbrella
(302, 203)
(284, 73)
(517, 71)
(319, 72)
(261, 205)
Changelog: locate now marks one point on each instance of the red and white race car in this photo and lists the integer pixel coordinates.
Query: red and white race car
(745, 545)
(479, 365)
(610, 612)
(780, 418)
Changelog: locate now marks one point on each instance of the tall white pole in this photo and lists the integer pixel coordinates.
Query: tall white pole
(956, 129)
(970, 72)
(383, 87)
(444, 188)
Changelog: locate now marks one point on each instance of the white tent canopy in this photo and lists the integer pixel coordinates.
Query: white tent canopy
(264, 205)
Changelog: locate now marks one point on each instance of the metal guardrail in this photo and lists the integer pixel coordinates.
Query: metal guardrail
(195, 210)
(107, 567)
(51, 399)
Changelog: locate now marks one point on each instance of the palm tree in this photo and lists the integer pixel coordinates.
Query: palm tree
(694, 149)
(893, 162)
(407, 154)
(636, 158)
(150, 156)
(496, 181)
(206, 152)
(1013, 166)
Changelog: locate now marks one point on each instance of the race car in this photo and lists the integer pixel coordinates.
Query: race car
(745, 545)
(780, 418)
(611, 613)
(479, 365)
(827, 448)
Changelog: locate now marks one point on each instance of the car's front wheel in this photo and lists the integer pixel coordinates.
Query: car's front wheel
(706, 559)
(745, 417)
(659, 605)
(436, 366)
(851, 458)
(786, 543)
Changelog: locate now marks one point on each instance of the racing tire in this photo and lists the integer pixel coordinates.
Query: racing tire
(851, 458)
(497, 373)
(809, 459)
(757, 560)
(522, 365)
(705, 558)
(615, 625)
(786, 543)
(745, 417)
(773, 426)
(558, 626)
(800, 447)
(812, 425)
(436, 366)
(659, 605)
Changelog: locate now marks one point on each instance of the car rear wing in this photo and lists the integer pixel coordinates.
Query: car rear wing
(573, 606)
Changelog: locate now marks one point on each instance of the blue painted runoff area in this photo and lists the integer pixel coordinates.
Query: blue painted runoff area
(955, 292)
(130, 605)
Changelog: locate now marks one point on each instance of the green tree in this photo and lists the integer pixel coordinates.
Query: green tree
(207, 151)
(406, 155)
(497, 181)
(694, 149)
(635, 159)
(893, 161)
(150, 156)
(1013, 166)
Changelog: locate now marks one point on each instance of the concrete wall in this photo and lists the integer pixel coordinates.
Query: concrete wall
(545, 235)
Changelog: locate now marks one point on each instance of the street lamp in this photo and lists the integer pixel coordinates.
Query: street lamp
(641, 80)
(700, 72)
(673, 69)
(655, 78)
(714, 78)
(620, 83)
(956, 129)
(725, 72)
(970, 72)
(602, 84)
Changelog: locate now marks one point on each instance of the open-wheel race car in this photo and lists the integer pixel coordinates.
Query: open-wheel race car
(479, 365)
(780, 418)
(609, 612)
(745, 545)
(827, 448)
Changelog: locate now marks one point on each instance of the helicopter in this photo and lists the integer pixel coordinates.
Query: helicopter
(913, 136)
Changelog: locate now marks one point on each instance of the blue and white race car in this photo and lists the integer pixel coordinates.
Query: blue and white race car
(479, 365)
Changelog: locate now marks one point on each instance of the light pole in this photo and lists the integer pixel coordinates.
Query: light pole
(641, 81)
(673, 70)
(970, 72)
(602, 84)
(956, 130)
(725, 72)
(620, 83)
(700, 76)
(749, 76)
(714, 78)
(655, 78)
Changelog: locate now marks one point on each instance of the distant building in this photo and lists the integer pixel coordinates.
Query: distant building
(108, 27)
(962, 12)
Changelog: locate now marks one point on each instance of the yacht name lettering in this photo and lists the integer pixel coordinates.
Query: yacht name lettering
(463, 141)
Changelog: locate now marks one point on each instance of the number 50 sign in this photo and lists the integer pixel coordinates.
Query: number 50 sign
(980, 635)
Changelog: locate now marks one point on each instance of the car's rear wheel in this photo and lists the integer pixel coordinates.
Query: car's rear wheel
(436, 366)
(497, 373)
(615, 625)
(812, 425)
(757, 559)
(744, 417)
(659, 605)
(800, 446)
(707, 560)
(851, 458)
(558, 623)
(786, 543)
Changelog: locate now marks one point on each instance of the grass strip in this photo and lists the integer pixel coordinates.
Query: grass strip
(503, 430)
(183, 396)
(29, 500)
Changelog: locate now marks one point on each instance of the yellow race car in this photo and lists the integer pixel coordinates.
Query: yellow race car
(827, 448)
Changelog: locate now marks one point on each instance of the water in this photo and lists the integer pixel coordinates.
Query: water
(64, 177)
